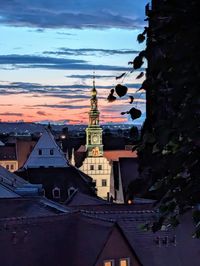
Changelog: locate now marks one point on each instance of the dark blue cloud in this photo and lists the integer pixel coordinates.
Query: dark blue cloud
(33, 61)
(73, 13)
(91, 51)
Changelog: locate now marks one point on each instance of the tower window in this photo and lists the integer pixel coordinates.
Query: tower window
(99, 167)
(40, 152)
(92, 167)
(51, 152)
(104, 182)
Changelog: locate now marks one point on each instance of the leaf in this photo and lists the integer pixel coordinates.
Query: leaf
(131, 99)
(145, 85)
(111, 98)
(119, 77)
(135, 113)
(121, 90)
(123, 113)
(140, 75)
(140, 38)
(137, 62)
(112, 91)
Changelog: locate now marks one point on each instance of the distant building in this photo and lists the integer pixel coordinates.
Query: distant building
(8, 156)
(95, 164)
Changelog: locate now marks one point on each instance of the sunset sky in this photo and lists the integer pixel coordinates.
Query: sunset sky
(49, 48)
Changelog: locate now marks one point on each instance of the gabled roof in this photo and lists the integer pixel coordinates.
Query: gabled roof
(80, 199)
(169, 246)
(46, 144)
(12, 186)
(1, 143)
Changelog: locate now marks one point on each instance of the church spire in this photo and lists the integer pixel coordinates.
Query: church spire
(94, 91)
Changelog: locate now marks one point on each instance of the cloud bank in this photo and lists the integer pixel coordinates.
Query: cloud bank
(77, 14)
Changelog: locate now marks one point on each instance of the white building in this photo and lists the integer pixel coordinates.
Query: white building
(46, 153)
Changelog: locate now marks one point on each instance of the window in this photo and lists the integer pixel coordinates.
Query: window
(51, 152)
(109, 263)
(104, 182)
(99, 167)
(71, 191)
(12, 167)
(92, 167)
(56, 193)
(124, 262)
(7, 166)
(40, 152)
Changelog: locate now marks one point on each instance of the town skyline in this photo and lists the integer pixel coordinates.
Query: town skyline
(49, 53)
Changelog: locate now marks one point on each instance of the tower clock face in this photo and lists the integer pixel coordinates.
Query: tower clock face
(95, 139)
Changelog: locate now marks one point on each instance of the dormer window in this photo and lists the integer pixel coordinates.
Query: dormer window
(51, 152)
(56, 193)
(71, 191)
(40, 152)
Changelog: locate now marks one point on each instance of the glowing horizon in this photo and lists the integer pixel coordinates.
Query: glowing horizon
(46, 69)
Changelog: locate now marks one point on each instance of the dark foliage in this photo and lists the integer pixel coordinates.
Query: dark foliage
(170, 146)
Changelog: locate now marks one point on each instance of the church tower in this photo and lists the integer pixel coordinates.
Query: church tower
(95, 164)
(94, 131)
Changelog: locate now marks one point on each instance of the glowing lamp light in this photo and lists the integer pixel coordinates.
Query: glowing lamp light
(63, 137)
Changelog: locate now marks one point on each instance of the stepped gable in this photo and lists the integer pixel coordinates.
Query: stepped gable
(46, 153)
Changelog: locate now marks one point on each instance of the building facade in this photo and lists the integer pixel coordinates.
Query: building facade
(8, 157)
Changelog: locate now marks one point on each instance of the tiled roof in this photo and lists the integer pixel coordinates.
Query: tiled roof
(29, 207)
(116, 154)
(168, 246)
(70, 239)
(80, 199)
(63, 177)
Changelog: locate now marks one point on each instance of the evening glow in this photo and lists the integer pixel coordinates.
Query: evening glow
(46, 65)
